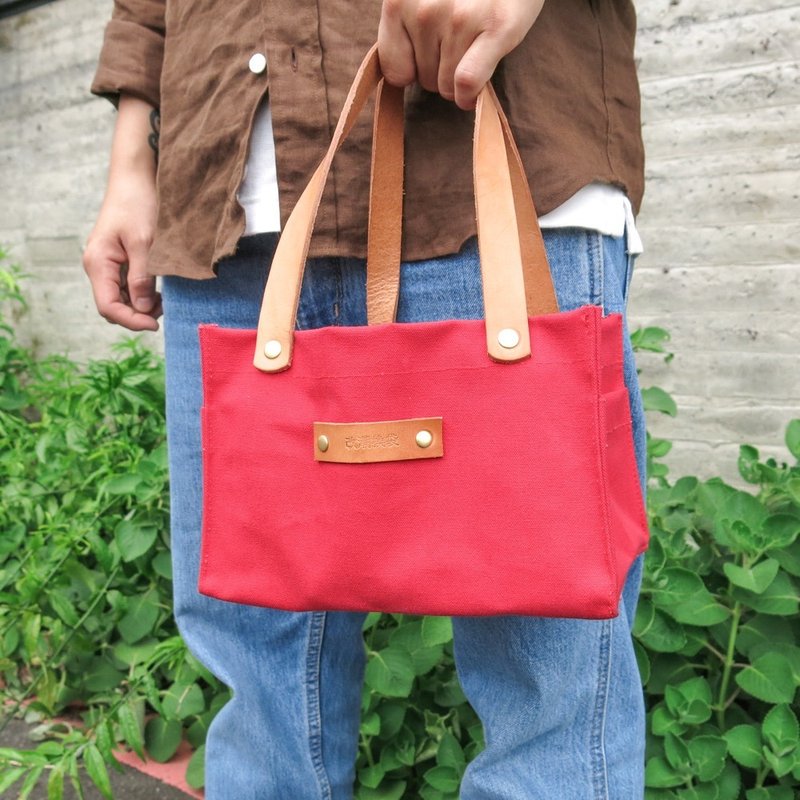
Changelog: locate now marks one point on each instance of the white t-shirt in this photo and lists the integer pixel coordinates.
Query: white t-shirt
(597, 206)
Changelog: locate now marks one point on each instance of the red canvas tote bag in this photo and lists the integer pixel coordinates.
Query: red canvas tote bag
(471, 467)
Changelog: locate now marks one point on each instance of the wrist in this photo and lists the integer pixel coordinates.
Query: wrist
(132, 151)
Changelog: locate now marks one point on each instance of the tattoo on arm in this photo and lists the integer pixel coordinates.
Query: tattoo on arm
(155, 127)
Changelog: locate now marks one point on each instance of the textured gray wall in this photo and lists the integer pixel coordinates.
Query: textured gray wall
(721, 220)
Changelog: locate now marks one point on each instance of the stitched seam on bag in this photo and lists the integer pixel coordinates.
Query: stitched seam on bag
(205, 435)
(316, 631)
(420, 371)
(601, 452)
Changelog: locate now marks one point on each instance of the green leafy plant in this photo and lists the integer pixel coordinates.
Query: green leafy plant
(85, 579)
(717, 634)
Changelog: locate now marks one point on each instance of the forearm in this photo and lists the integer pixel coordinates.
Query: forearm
(132, 151)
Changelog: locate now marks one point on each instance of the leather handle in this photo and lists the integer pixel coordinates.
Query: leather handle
(384, 243)
(507, 230)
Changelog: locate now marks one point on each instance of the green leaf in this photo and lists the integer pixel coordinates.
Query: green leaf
(656, 630)
(450, 753)
(690, 701)
(390, 672)
(788, 558)
(371, 724)
(770, 793)
(780, 730)
(769, 678)
(162, 738)
(104, 740)
(388, 790)
(55, 783)
(371, 620)
(101, 676)
(677, 752)
(445, 779)
(29, 784)
(162, 564)
(642, 661)
(762, 629)
(755, 579)
(658, 774)
(780, 765)
(64, 608)
(122, 484)
(96, 769)
(75, 777)
(683, 595)
(134, 539)
(793, 438)
(196, 769)
(449, 693)
(409, 637)
(131, 727)
(391, 719)
(781, 530)
(141, 617)
(656, 399)
(729, 782)
(130, 654)
(437, 630)
(650, 338)
(748, 464)
(183, 700)
(662, 722)
(780, 598)
(8, 777)
(744, 745)
(708, 756)
(371, 777)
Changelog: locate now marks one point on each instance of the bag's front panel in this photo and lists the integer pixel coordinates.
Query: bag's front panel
(514, 508)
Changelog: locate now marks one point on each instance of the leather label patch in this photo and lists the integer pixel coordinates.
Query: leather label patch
(368, 442)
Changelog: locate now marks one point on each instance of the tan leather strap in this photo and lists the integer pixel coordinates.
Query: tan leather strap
(278, 314)
(500, 200)
(540, 294)
(385, 206)
(384, 271)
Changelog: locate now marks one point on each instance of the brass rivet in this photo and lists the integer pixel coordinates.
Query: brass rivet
(424, 438)
(272, 349)
(508, 338)
(322, 442)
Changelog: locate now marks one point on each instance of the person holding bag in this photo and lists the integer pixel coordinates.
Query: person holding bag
(560, 699)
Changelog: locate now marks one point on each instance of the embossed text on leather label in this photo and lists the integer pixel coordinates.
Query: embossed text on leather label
(385, 440)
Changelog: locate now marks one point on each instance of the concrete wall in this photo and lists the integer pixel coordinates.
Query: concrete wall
(721, 220)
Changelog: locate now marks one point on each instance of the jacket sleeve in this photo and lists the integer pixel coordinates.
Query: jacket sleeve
(133, 52)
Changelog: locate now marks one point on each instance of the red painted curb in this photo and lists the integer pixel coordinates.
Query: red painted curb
(173, 773)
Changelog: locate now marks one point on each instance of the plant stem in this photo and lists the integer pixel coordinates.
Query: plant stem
(729, 658)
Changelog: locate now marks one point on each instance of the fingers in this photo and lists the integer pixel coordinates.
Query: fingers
(395, 50)
(103, 261)
(450, 46)
(475, 69)
(141, 286)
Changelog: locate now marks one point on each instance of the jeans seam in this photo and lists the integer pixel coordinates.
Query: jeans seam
(313, 659)
(598, 751)
(596, 270)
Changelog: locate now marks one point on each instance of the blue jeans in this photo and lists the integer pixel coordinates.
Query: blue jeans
(560, 699)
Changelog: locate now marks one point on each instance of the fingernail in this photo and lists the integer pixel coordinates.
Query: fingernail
(142, 304)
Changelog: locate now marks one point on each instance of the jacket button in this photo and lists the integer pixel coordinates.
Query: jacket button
(257, 63)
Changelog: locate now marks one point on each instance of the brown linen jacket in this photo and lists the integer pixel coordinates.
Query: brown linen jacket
(570, 90)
